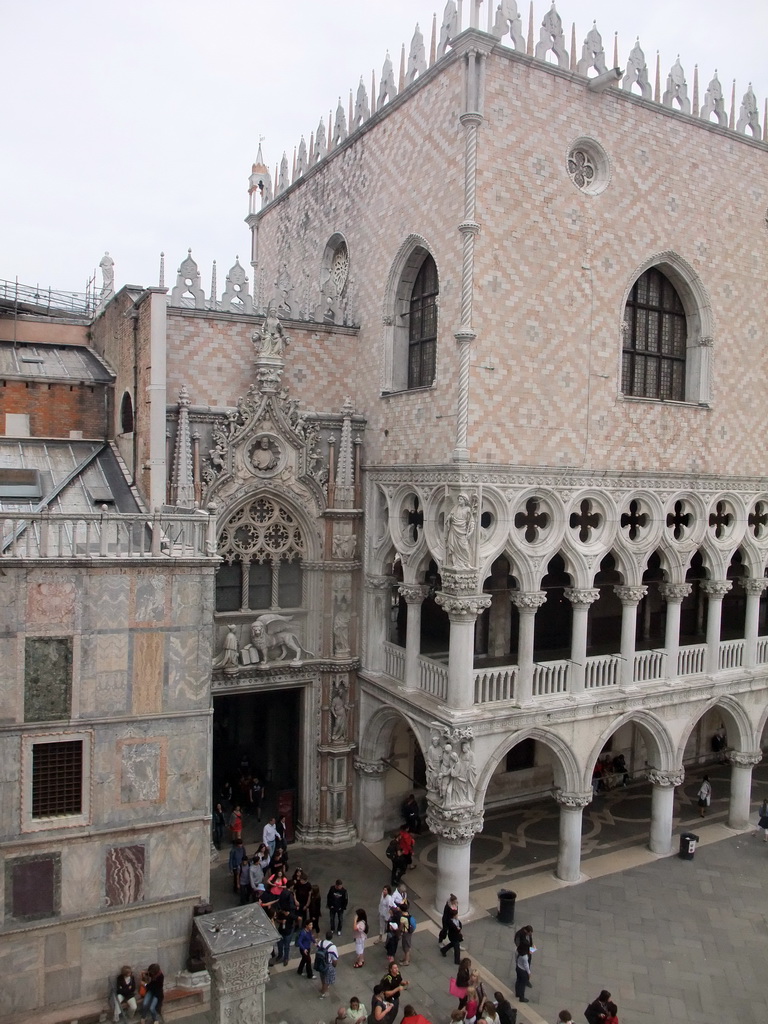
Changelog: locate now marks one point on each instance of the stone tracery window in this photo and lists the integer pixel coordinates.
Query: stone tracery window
(655, 340)
(262, 547)
(422, 326)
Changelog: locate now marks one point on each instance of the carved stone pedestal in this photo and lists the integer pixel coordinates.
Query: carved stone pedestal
(237, 945)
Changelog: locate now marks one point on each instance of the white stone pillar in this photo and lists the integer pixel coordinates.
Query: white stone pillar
(673, 594)
(454, 844)
(414, 598)
(630, 598)
(237, 944)
(371, 804)
(378, 605)
(580, 599)
(742, 763)
(662, 806)
(715, 591)
(462, 612)
(569, 848)
(527, 604)
(753, 589)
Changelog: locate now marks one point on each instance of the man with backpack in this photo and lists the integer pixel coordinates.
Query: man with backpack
(326, 955)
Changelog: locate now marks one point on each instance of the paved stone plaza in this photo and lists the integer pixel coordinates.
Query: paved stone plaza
(672, 939)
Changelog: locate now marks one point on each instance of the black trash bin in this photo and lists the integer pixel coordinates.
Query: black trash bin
(688, 842)
(506, 913)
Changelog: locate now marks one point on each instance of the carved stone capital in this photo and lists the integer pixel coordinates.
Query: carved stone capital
(582, 596)
(672, 592)
(369, 768)
(531, 599)
(630, 595)
(387, 320)
(716, 588)
(469, 227)
(460, 581)
(413, 593)
(459, 828)
(657, 777)
(754, 587)
(471, 119)
(380, 582)
(572, 799)
(463, 609)
(464, 335)
(745, 758)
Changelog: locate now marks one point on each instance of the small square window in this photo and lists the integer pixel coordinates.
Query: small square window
(56, 788)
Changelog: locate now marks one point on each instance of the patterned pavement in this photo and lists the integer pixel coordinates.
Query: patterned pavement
(674, 940)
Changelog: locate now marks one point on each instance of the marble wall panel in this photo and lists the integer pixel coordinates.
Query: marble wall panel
(188, 767)
(61, 986)
(18, 993)
(12, 601)
(108, 598)
(175, 861)
(142, 771)
(32, 886)
(82, 887)
(52, 602)
(55, 949)
(151, 592)
(187, 599)
(47, 678)
(148, 669)
(124, 874)
(11, 693)
(114, 941)
(189, 669)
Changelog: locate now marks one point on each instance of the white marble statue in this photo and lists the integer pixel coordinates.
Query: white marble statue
(107, 267)
(263, 639)
(460, 790)
(263, 458)
(339, 714)
(433, 759)
(460, 529)
(229, 657)
(445, 772)
(272, 337)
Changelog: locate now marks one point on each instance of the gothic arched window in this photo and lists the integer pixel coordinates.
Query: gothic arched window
(422, 326)
(126, 414)
(655, 340)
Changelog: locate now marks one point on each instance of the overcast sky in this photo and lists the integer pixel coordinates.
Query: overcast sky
(132, 127)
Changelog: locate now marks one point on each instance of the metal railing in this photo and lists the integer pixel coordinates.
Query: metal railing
(95, 535)
(49, 300)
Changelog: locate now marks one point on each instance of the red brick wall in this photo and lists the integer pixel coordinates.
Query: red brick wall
(55, 408)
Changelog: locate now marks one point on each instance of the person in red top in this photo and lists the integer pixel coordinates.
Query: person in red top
(411, 1017)
(407, 844)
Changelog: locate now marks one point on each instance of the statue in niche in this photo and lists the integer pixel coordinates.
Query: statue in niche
(272, 337)
(433, 759)
(339, 714)
(229, 657)
(460, 529)
(448, 761)
(463, 778)
(263, 640)
(263, 457)
(341, 631)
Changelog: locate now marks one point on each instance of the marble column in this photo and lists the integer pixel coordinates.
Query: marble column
(630, 598)
(753, 589)
(371, 802)
(581, 600)
(462, 612)
(662, 807)
(378, 605)
(527, 604)
(237, 945)
(715, 591)
(673, 594)
(454, 832)
(414, 598)
(569, 847)
(742, 762)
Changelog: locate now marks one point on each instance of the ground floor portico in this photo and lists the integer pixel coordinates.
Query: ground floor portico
(664, 735)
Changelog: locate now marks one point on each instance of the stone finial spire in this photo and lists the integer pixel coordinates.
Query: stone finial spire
(349, 119)
(283, 180)
(183, 483)
(529, 41)
(311, 148)
(417, 60)
(657, 88)
(340, 125)
(362, 109)
(321, 143)
(387, 89)
(748, 115)
(615, 49)
(214, 286)
(345, 476)
(161, 281)
(732, 118)
(695, 101)
(301, 162)
(330, 130)
(433, 41)
(573, 46)
(293, 169)
(401, 77)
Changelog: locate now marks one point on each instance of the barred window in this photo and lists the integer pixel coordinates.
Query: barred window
(57, 779)
(655, 339)
(422, 326)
